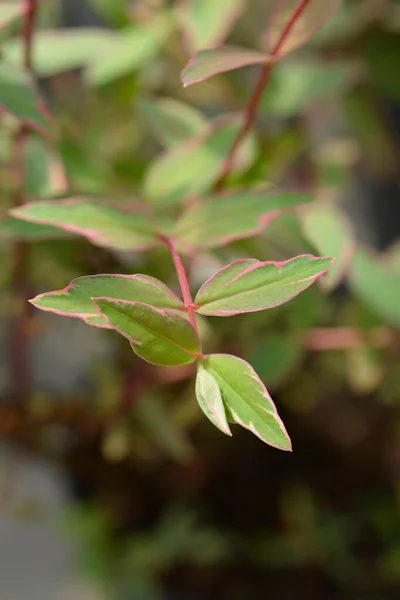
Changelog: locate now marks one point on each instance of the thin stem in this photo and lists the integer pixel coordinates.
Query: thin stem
(30, 12)
(183, 282)
(20, 366)
(252, 108)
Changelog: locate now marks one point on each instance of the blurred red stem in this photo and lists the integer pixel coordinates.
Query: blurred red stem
(252, 107)
(20, 367)
(183, 282)
(30, 11)
(348, 338)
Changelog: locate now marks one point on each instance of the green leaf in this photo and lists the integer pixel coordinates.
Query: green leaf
(192, 168)
(158, 336)
(207, 63)
(101, 224)
(209, 397)
(43, 170)
(246, 399)
(376, 284)
(19, 97)
(225, 217)
(328, 229)
(76, 299)
(131, 48)
(206, 23)
(312, 18)
(173, 122)
(15, 229)
(36, 168)
(250, 285)
(297, 84)
(9, 12)
(57, 51)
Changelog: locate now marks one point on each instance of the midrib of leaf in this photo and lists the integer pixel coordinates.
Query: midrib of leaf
(156, 333)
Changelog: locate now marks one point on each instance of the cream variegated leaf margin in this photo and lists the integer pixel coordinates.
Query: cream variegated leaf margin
(75, 300)
(209, 397)
(245, 399)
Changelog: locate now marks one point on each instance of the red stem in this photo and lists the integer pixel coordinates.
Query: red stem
(255, 99)
(20, 367)
(183, 282)
(30, 11)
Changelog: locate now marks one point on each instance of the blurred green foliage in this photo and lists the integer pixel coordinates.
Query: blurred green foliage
(164, 500)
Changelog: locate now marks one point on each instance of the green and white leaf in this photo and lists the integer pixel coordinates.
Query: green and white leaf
(246, 399)
(209, 397)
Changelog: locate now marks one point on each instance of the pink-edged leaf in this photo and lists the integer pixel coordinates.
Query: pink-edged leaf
(206, 23)
(223, 218)
(314, 15)
(209, 397)
(76, 299)
(250, 285)
(158, 336)
(9, 12)
(19, 97)
(102, 224)
(207, 63)
(246, 399)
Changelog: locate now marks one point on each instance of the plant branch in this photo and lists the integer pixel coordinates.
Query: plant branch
(30, 12)
(183, 282)
(252, 107)
(20, 367)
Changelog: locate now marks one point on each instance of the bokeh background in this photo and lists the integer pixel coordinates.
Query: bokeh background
(112, 483)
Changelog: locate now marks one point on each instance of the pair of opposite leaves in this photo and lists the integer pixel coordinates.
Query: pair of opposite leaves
(154, 320)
